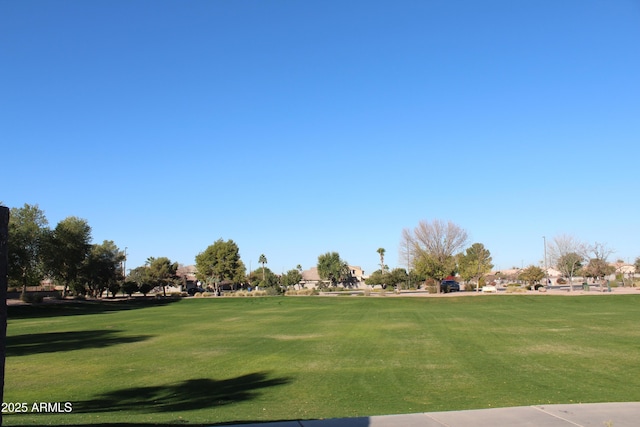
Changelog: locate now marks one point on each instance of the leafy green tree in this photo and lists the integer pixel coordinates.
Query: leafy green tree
(141, 277)
(262, 260)
(271, 280)
(67, 248)
(415, 278)
(291, 278)
(431, 247)
(397, 277)
(597, 269)
(28, 231)
(145, 288)
(162, 273)
(531, 275)
(474, 263)
(332, 268)
(103, 268)
(114, 287)
(129, 287)
(220, 261)
(436, 268)
(376, 278)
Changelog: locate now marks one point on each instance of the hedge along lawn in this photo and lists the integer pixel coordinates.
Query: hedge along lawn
(220, 360)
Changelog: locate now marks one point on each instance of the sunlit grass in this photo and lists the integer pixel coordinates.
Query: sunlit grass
(253, 359)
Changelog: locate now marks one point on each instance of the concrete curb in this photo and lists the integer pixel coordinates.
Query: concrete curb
(580, 415)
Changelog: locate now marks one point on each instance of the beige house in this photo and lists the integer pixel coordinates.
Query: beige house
(187, 273)
(626, 269)
(311, 278)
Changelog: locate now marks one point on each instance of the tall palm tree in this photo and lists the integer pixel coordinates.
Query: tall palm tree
(262, 260)
(381, 251)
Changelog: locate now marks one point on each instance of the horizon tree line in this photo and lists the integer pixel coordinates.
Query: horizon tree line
(433, 251)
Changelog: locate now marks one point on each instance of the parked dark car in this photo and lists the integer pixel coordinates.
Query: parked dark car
(193, 291)
(449, 286)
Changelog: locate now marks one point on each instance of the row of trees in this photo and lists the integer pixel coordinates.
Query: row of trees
(63, 254)
(432, 250)
(66, 256)
(573, 257)
(435, 250)
(220, 263)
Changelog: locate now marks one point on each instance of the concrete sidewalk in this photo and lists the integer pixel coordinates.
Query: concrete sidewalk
(581, 415)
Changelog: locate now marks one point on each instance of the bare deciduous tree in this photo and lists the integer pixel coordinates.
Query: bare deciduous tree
(567, 253)
(598, 267)
(432, 245)
(600, 251)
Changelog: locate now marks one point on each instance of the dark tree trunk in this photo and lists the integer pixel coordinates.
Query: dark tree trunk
(4, 261)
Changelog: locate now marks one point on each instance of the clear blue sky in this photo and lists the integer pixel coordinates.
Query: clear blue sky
(301, 127)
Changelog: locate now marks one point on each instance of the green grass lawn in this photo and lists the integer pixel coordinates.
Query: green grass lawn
(219, 360)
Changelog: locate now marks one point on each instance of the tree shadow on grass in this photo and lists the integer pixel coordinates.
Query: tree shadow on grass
(52, 342)
(75, 308)
(187, 395)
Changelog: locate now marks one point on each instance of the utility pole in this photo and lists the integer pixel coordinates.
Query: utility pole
(124, 265)
(408, 266)
(546, 270)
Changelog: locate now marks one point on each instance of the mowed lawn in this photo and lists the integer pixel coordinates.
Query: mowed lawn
(219, 360)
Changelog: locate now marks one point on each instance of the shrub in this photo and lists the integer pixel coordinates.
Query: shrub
(145, 288)
(32, 298)
(198, 295)
(561, 281)
(301, 292)
(78, 289)
(271, 291)
(114, 288)
(129, 287)
(208, 294)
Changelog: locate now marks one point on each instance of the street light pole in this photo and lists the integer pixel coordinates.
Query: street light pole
(124, 264)
(546, 270)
